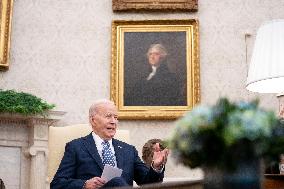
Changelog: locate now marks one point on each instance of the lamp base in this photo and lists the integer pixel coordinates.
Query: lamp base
(281, 104)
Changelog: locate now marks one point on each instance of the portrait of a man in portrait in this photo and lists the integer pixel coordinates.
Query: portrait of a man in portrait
(155, 69)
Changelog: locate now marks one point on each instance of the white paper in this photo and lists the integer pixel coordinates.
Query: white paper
(110, 172)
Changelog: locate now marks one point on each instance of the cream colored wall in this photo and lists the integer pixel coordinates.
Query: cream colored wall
(61, 51)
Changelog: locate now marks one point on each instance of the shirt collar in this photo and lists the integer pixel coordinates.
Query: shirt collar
(154, 68)
(99, 140)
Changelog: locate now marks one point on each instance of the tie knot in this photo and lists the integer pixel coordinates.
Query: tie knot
(105, 143)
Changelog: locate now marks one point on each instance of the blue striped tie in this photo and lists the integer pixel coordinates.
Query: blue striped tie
(108, 157)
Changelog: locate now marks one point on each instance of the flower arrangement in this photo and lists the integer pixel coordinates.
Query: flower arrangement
(226, 133)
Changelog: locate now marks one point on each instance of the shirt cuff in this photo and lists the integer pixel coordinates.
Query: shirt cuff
(160, 169)
(84, 186)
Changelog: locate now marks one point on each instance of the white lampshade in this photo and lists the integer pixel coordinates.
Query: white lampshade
(266, 70)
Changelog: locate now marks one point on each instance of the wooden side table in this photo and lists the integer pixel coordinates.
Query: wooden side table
(273, 181)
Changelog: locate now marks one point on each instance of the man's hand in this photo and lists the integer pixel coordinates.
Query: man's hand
(94, 183)
(159, 157)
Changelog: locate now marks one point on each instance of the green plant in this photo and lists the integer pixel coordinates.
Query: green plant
(226, 133)
(23, 103)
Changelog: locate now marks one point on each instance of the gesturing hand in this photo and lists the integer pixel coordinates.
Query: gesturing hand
(159, 157)
(94, 183)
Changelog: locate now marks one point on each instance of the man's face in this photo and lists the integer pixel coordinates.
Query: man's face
(154, 57)
(104, 122)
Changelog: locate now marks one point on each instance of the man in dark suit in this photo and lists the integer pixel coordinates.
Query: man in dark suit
(84, 158)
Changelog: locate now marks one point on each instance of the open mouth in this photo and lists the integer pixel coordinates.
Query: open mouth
(111, 129)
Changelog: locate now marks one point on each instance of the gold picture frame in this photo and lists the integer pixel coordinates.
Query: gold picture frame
(175, 88)
(154, 5)
(5, 32)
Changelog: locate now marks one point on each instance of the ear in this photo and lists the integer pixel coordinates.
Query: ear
(92, 120)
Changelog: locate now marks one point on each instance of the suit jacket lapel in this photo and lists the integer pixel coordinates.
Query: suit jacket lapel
(92, 149)
(118, 153)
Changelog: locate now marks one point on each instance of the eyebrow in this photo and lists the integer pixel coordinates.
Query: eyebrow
(109, 113)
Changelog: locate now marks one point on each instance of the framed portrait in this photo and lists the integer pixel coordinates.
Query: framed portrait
(154, 5)
(155, 68)
(5, 32)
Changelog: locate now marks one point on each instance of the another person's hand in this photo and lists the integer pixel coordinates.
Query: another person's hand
(159, 157)
(94, 183)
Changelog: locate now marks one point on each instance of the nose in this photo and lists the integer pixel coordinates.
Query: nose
(113, 119)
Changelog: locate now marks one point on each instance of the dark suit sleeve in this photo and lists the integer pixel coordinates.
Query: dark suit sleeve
(64, 177)
(143, 174)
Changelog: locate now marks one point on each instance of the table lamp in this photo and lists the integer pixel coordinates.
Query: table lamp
(266, 70)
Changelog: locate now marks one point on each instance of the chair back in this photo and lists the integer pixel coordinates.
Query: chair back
(59, 136)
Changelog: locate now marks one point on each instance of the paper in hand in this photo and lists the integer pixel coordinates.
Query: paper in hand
(110, 172)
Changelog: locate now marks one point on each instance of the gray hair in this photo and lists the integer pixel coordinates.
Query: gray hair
(161, 49)
(94, 107)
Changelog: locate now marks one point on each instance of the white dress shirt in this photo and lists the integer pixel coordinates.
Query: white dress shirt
(99, 145)
(154, 69)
